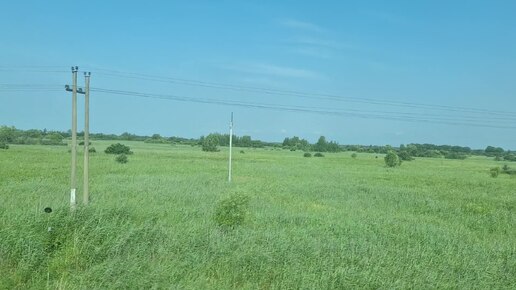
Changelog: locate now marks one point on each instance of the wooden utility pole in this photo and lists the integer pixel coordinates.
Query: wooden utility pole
(230, 145)
(86, 195)
(73, 182)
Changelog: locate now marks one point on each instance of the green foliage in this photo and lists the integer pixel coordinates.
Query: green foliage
(495, 171)
(118, 149)
(82, 143)
(231, 211)
(491, 151)
(307, 154)
(354, 155)
(210, 142)
(392, 159)
(121, 158)
(455, 155)
(3, 145)
(296, 143)
(510, 157)
(405, 155)
(318, 154)
(92, 150)
(242, 152)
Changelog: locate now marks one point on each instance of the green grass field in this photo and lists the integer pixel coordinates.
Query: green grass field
(313, 223)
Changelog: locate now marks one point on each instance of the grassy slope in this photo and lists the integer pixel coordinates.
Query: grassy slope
(329, 222)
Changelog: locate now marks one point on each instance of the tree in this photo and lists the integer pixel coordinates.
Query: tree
(210, 142)
(321, 144)
(7, 134)
(392, 160)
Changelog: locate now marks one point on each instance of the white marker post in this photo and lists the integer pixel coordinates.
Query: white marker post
(230, 145)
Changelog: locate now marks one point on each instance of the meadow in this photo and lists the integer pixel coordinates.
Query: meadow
(335, 222)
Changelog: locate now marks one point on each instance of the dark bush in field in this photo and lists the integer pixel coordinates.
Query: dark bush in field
(232, 210)
(307, 154)
(455, 155)
(354, 155)
(122, 158)
(318, 154)
(4, 145)
(242, 152)
(82, 143)
(405, 156)
(118, 149)
(495, 171)
(509, 157)
(392, 159)
(92, 150)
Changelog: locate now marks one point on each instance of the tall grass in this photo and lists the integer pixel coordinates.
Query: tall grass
(324, 223)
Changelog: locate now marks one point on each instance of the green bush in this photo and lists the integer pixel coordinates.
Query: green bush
(318, 154)
(118, 149)
(82, 143)
(122, 158)
(210, 142)
(231, 211)
(92, 150)
(4, 145)
(354, 155)
(307, 154)
(242, 151)
(405, 156)
(495, 171)
(392, 159)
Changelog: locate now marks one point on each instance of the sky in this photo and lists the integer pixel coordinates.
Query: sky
(357, 72)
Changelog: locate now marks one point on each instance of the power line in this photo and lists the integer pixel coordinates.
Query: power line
(400, 116)
(271, 91)
(294, 108)
(318, 96)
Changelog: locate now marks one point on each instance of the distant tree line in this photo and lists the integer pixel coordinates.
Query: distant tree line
(12, 135)
(322, 145)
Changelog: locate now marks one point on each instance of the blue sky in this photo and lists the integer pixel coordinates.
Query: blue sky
(444, 53)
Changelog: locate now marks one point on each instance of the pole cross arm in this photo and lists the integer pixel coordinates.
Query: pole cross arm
(79, 90)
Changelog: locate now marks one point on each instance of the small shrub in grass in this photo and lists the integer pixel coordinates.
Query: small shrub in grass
(392, 160)
(318, 154)
(354, 155)
(3, 145)
(122, 158)
(494, 171)
(82, 143)
(92, 150)
(118, 149)
(307, 154)
(242, 152)
(231, 211)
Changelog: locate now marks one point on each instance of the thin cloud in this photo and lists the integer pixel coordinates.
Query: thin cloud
(301, 25)
(266, 69)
